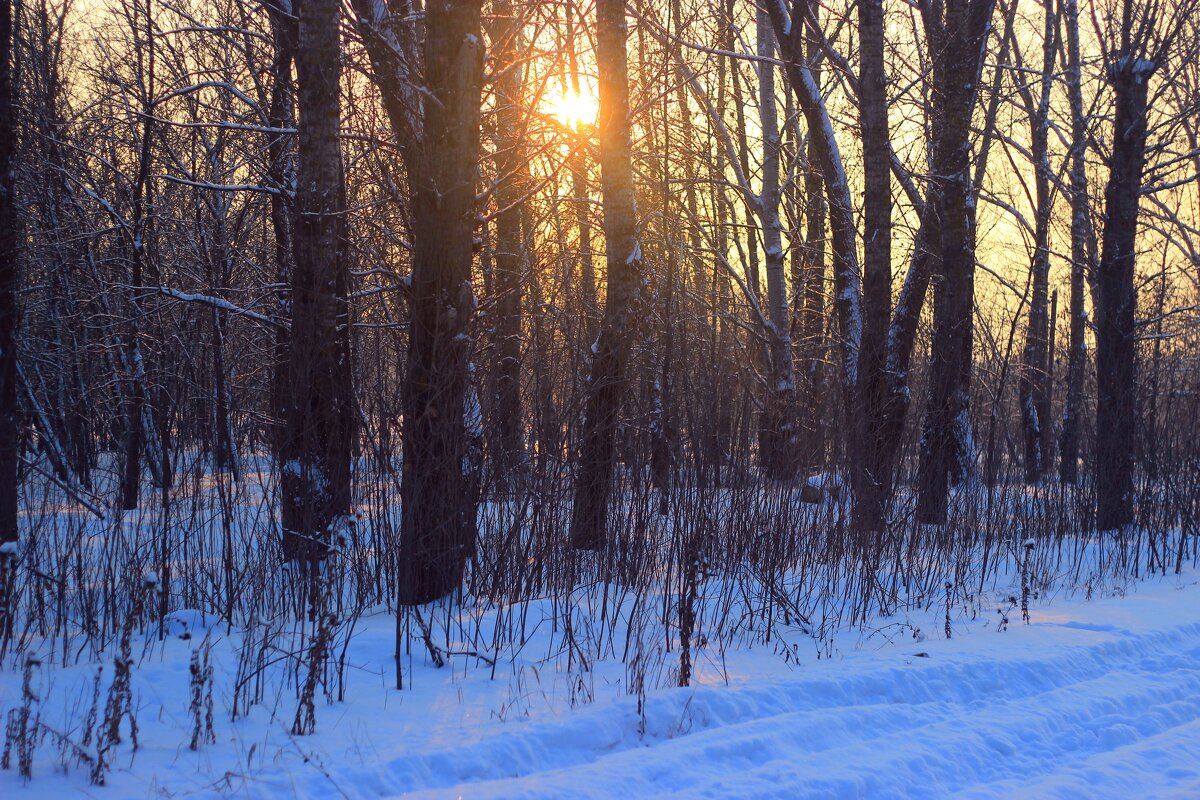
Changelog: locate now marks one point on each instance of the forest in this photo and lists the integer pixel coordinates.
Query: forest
(636, 333)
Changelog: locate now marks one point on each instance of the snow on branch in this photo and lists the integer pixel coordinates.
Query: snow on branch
(222, 304)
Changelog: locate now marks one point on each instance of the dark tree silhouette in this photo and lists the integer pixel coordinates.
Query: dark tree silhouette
(610, 354)
(315, 453)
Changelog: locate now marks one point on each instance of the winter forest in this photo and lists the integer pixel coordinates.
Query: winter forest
(600, 398)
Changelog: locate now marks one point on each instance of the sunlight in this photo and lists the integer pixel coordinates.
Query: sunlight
(575, 109)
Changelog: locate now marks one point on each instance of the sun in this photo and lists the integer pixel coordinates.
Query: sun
(575, 109)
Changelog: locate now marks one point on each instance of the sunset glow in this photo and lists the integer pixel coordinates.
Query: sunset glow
(575, 109)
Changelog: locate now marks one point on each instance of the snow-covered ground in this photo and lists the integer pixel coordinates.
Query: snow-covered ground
(1092, 698)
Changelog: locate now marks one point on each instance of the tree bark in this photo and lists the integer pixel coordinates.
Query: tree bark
(872, 477)
(439, 141)
(512, 171)
(10, 418)
(1082, 251)
(826, 156)
(778, 443)
(1036, 357)
(281, 176)
(577, 165)
(315, 456)
(606, 384)
(1116, 341)
(957, 32)
(439, 525)
(136, 426)
(810, 305)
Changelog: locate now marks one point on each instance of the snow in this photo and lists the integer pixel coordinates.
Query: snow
(635, 256)
(781, 12)
(472, 411)
(571, 691)
(1143, 69)
(1100, 712)
(1096, 698)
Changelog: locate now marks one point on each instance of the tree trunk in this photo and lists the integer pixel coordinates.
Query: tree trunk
(10, 420)
(810, 304)
(1035, 373)
(136, 429)
(827, 158)
(281, 176)
(1081, 256)
(577, 164)
(315, 456)
(872, 477)
(439, 525)
(606, 384)
(437, 128)
(512, 171)
(1116, 341)
(778, 445)
(956, 42)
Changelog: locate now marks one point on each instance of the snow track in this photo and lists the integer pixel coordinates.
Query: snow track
(1095, 699)
(1036, 727)
(1085, 706)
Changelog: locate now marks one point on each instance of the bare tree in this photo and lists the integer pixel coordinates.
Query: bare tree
(883, 397)
(439, 139)
(10, 413)
(510, 256)
(1037, 365)
(281, 177)
(789, 27)
(1082, 253)
(315, 453)
(610, 354)
(872, 474)
(137, 230)
(778, 441)
(957, 32)
(1133, 52)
